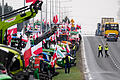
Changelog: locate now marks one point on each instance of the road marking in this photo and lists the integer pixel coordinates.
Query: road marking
(111, 56)
(87, 71)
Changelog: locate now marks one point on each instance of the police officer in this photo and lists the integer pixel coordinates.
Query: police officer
(67, 63)
(106, 50)
(100, 48)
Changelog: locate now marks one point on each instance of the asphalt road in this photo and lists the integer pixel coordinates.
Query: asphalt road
(101, 68)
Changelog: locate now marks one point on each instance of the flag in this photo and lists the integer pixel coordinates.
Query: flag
(67, 48)
(54, 57)
(27, 53)
(10, 31)
(44, 41)
(37, 49)
(28, 27)
(51, 38)
(58, 34)
(9, 38)
(36, 35)
(12, 28)
(27, 1)
(63, 47)
(59, 53)
(79, 27)
(56, 19)
(54, 37)
(24, 38)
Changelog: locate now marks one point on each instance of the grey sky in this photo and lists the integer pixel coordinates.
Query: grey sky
(89, 12)
(85, 12)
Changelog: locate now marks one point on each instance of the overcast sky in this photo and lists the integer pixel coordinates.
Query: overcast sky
(85, 12)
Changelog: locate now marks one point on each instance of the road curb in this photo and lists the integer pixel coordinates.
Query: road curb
(84, 60)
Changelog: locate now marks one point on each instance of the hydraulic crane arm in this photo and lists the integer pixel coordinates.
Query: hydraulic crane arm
(46, 35)
(21, 15)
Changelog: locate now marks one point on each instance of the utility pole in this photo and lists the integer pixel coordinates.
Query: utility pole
(41, 20)
(50, 13)
(2, 8)
(46, 15)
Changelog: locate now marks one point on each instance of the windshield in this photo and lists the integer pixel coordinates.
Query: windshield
(111, 27)
(112, 34)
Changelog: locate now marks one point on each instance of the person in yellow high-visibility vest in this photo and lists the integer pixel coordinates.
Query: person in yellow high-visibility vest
(67, 63)
(106, 50)
(100, 48)
(74, 50)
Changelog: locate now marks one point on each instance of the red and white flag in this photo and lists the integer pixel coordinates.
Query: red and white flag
(63, 47)
(58, 33)
(9, 38)
(24, 38)
(37, 49)
(10, 31)
(36, 35)
(68, 48)
(27, 53)
(12, 28)
(51, 38)
(54, 57)
(28, 27)
(27, 1)
(44, 41)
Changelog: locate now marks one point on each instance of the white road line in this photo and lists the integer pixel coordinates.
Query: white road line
(111, 57)
(85, 61)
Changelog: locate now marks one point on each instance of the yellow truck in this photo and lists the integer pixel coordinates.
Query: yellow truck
(111, 27)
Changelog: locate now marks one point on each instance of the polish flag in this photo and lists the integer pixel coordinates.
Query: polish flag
(63, 47)
(37, 49)
(27, 1)
(44, 41)
(54, 58)
(12, 28)
(56, 19)
(28, 27)
(54, 37)
(9, 38)
(67, 48)
(24, 38)
(51, 38)
(35, 35)
(27, 53)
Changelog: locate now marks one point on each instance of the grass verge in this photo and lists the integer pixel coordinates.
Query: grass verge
(76, 72)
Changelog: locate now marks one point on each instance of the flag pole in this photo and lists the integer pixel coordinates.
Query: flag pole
(46, 15)
(59, 11)
(50, 13)
(2, 8)
(24, 22)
